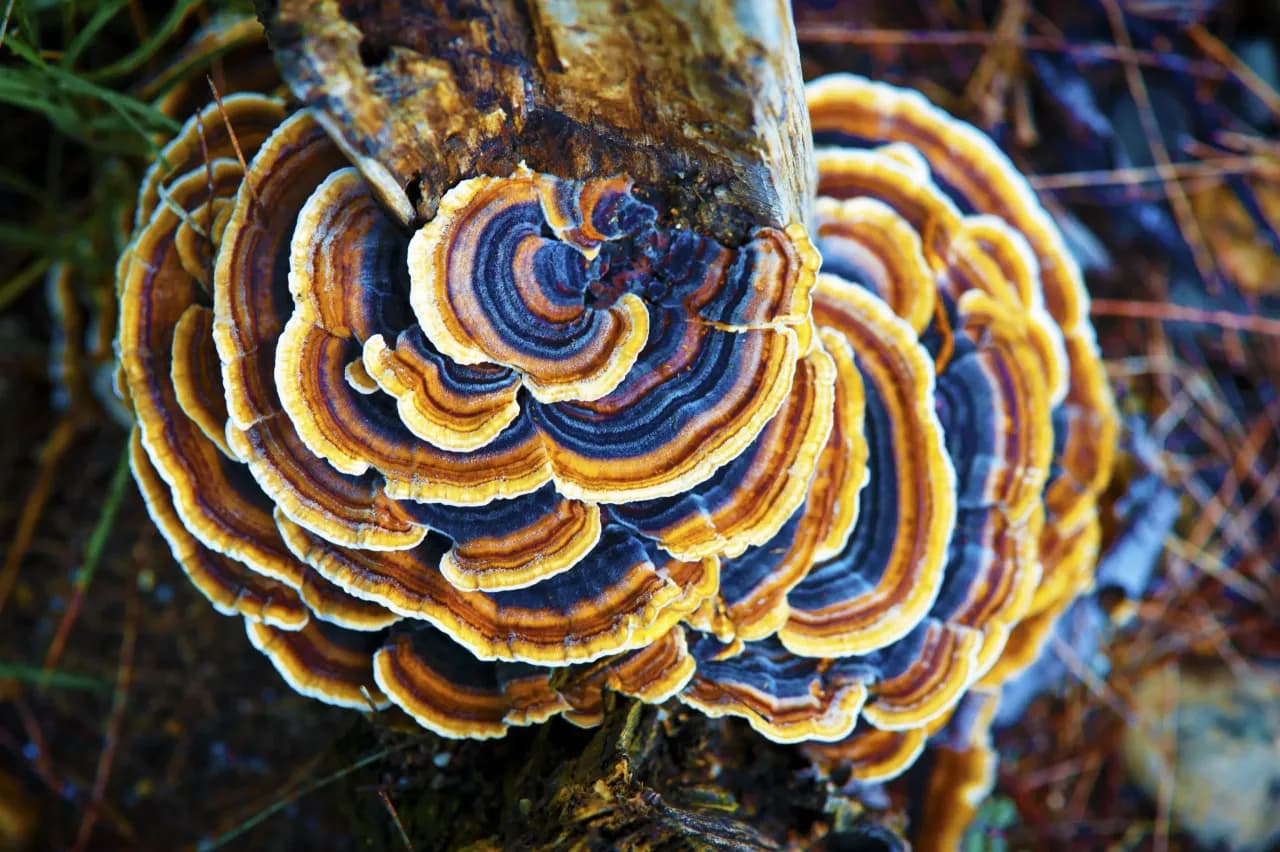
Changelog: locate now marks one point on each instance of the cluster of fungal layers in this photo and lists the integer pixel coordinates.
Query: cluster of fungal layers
(545, 445)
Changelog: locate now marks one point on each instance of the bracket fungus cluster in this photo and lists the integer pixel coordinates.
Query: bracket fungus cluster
(546, 443)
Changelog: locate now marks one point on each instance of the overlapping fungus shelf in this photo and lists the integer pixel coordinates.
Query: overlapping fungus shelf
(829, 481)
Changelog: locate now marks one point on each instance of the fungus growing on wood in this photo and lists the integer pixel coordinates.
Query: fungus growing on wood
(485, 455)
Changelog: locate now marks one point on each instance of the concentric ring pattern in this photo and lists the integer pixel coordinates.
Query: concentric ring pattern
(546, 444)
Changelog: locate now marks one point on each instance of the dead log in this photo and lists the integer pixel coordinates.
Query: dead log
(700, 102)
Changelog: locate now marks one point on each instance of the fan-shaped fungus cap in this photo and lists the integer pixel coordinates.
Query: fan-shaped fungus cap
(548, 443)
(966, 364)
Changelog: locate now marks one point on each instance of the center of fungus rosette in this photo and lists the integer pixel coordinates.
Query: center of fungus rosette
(556, 279)
(561, 337)
(503, 273)
(652, 356)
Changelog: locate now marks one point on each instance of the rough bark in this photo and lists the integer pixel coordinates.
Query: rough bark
(700, 101)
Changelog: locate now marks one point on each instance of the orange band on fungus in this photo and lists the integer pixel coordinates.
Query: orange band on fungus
(513, 544)
(330, 665)
(784, 698)
(197, 381)
(232, 588)
(836, 611)
(842, 468)
(962, 777)
(338, 301)
(614, 600)
(865, 240)
(977, 171)
(249, 118)
(426, 676)
(209, 493)
(934, 682)
(474, 321)
(653, 674)
(452, 407)
(748, 500)
(871, 755)
(745, 378)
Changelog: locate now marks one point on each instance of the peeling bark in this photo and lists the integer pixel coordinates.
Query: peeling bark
(700, 101)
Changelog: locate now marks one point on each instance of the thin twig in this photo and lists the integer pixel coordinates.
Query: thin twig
(54, 449)
(235, 143)
(208, 177)
(115, 721)
(395, 818)
(92, 556)
(1090, 679)
(991, 79)
(1242, 72)
(42, 762)
(1135, 175)
(280, 804)
(1182, 313)
(1177, 198)
(1168, 745)
(846, 34)
(4, 25)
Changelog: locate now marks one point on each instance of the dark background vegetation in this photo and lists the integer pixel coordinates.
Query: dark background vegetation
(133, 716)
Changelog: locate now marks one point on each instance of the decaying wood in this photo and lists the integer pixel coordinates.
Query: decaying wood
(700, 101)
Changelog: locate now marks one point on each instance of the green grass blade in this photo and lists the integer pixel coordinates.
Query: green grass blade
(89, 31)
(150, 47)
(54, 677)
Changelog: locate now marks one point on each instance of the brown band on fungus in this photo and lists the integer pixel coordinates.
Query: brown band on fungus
(197, 381)
(960, 780)
(653, 674)
(325, 663)
(330, 603)
(209, 492)
(749, 395)
(457, 252)
(244, 65)
(1007, 356)
(250, 117)
(613, 601)
(929, 687)
(456, 697)
(846, 173)
(334, 292)
(864, 239)
(1009, 273)
(1070, 572)
(786, 707)
(871, 755)
(829, 617)
(249, 311)
(1000, 595)
(757, 605)
(435, 405)
(562, 540)
(232, 588)
(841, 470)
(975, 169)
(756, 493)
